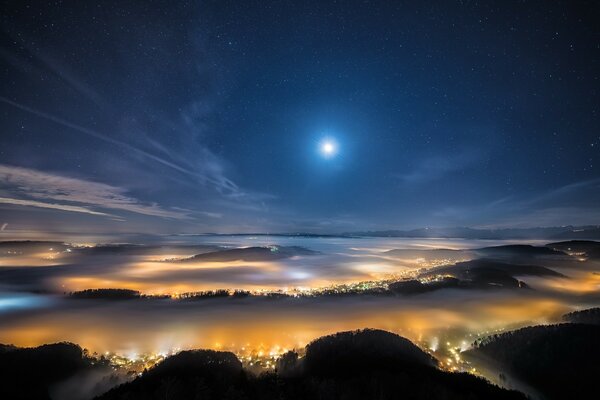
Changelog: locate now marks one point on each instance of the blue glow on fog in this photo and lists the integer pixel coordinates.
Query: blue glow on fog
(19, 301)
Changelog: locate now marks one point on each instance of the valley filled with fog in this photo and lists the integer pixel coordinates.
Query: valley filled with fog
(280, 292)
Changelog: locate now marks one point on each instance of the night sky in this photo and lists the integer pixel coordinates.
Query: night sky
(214, 116)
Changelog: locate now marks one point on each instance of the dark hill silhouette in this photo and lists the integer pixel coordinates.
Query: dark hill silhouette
(484, 273)
(348, 353)
(252, 254)
(27, 373)
(589, 248)
(141, 249)
(369, 364)
(517, 251)
(590, 316)
(473, 274)
(560, 361)
(413, 286)
(28, 243)
(30, 246)
(463, 269)
(196, 374)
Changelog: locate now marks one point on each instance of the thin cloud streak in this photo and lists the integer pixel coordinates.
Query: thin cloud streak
(44, 186)
(54, 206)
(566, 189)
(221, 183)
(437, 167)
(552, 207)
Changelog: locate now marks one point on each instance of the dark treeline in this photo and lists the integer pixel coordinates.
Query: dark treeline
(113, 294)
(589, 316)
(108, 294)
(560, 361)
(588, 248)
(27, 373)
(209, 294)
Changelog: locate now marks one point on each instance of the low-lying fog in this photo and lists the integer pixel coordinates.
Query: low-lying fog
(35, 279)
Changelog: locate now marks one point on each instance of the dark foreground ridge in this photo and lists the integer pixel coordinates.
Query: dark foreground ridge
(554, 361)
(368, 364)
(559, 361)
(590, 316)
(27, 373)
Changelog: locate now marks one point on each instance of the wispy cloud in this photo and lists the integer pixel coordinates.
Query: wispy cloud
(54, 206)
(586, 187)
(570, 204)
(436, 167)
(97, 135)
(208, 170)
(162, 146)
(44, 190)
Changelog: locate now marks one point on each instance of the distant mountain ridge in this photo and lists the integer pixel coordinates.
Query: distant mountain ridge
(563, 232)
(568, 232)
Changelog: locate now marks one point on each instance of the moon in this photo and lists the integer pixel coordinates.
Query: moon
(328, 148)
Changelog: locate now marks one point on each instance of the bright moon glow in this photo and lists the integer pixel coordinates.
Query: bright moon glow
(328, 148)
